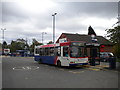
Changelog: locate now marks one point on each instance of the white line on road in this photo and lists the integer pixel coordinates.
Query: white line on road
(0, 60)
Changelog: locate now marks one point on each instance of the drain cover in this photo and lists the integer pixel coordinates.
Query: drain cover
(26, 68)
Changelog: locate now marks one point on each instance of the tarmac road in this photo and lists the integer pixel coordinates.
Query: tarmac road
(24, 72)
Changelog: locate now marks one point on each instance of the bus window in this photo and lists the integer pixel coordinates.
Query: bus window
(76, 51)
(52, 51)
(46, 52)
(37, 51)
(40, 52)
(65, 51)
(58, 51)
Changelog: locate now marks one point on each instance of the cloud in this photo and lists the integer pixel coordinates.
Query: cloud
(11, 12)
(72, 17)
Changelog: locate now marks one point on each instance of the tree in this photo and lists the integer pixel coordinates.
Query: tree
(114, 35)
(91, 31)
(50, 42)
(19, 44)
(34, 43)
(5, 44)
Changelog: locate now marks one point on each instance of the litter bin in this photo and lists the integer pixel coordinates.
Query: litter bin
(112, 62)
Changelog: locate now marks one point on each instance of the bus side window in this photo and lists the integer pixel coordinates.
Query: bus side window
(65, 51)
(58, 51)
(37, 51)
(51, 51)
(46, 51)
(40, 52)
(43, 51)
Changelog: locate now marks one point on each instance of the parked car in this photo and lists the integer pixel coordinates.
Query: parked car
(104, 56)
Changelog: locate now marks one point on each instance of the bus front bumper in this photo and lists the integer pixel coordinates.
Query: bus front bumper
(77, 64)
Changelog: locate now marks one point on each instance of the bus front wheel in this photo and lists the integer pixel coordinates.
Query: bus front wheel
(59, 64)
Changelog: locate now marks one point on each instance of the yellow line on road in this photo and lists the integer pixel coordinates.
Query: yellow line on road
(76, 72)
(94, 69)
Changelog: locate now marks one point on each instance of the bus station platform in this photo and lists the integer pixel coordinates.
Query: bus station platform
(103, 66)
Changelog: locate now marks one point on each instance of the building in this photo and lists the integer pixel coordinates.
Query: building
(94, 43)
(105, 45)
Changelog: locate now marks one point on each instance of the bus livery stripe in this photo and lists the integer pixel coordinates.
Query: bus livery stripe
(55, 60)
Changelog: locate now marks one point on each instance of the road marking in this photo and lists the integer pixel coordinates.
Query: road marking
(26, 68)
(26, 78)
(18, 68)
(94, 69)
(76, 72)
(0, 60)
(4, 56)
(61, 69)
(46, 65)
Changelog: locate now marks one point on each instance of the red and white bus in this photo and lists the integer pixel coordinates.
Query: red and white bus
(62, 54)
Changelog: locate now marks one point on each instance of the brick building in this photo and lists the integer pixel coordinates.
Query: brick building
(94, 44)
(105, 45)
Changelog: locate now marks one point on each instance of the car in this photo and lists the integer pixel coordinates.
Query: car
(104, 56)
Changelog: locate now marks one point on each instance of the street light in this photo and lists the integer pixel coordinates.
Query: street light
(42, 35)
(3, 29)
(54, 27)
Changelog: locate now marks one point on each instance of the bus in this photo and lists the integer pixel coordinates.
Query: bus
(6, 51)
(62, 54)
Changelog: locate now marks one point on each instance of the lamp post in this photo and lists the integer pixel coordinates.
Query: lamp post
(42, 36)
(54, 27)
(3, 29)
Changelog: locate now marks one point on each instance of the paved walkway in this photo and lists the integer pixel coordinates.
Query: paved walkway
(103, 66)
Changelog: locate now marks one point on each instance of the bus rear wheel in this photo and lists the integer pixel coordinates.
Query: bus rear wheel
(59, 64)
(40, 61)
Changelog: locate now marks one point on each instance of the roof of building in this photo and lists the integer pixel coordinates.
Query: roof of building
(87, 38)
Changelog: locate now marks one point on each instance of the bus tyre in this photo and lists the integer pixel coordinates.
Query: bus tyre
(58, 63)
(40, 61)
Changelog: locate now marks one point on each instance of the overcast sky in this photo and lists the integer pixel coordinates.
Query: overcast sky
(29, 18)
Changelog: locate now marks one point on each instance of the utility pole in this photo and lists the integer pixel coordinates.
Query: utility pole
(54, 27)
(119, 13)
(42, 36)
(3, 29)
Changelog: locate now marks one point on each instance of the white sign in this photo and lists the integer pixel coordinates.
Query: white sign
(62, 40)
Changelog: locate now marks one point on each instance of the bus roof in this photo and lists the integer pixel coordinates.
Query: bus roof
(57, 44)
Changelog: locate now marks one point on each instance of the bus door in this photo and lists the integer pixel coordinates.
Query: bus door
(65, 55)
